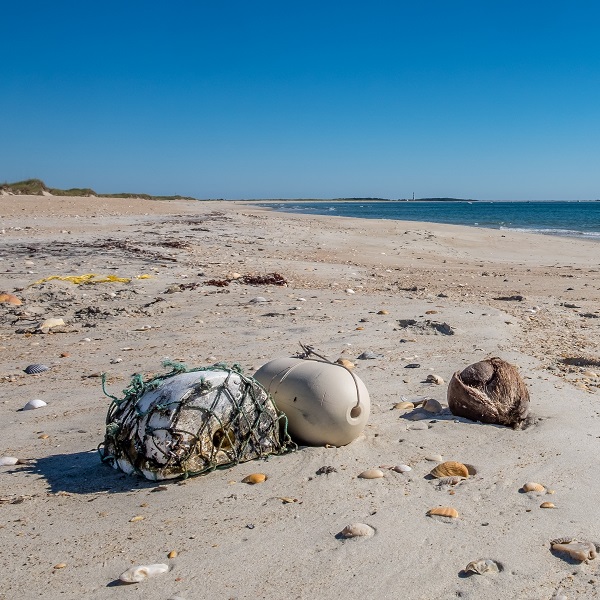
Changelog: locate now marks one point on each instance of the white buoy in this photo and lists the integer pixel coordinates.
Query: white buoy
(324, 402)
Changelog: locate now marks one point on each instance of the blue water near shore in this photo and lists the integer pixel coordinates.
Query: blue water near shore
(574, 219)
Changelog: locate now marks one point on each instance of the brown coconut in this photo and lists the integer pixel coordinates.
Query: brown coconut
(490, 391)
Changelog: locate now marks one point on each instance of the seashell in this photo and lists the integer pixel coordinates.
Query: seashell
(453, 480)
(60, 566)
(357, 530)
(531, 486)
(383, 312)
(484, 565)
(172, 554)
(576, 550)
(8, 461)
(371, 474)
(450, 468)
(443, 511)
(137, 574)
(434, 379)
(33, 404)
(402, 469)
(404, 405)
(434, 457)
(50, 323)
(345, 363)
(490, 391)
(136, 519)
(34, 369)
(563, 540)
(254, 478)
(368, 355)
(7, 298)
(433, 406)
(44, 436)
(547, 505)
(412, 366)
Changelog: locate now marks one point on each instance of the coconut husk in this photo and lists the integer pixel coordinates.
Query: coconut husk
(490, 391)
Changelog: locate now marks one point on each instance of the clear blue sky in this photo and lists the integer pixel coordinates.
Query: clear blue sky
(280, 99)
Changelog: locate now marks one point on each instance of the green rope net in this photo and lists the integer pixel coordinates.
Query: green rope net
(191, 421)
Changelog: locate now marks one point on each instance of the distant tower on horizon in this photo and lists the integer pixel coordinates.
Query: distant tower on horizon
(413, 195)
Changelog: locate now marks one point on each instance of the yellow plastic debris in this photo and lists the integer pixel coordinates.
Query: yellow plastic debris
(88, 278)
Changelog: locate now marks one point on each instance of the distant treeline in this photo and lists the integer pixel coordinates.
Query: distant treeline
(36, 187)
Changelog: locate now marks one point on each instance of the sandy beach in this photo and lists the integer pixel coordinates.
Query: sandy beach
(66, 529)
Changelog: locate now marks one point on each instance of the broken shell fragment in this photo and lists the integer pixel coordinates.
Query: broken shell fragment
(431, 378)
(531, 486)
(33, 404)
(357, 530)
(404, 405)
(7, 298)
(172, 554)
(347, 364)
(450, 468)
(484, 565)
(255, 478)
(490, 391)
(50, 323)
(576, 550)
(8, 461)
(371, 474)
(137, 574)
(60, 565)
(443, 511)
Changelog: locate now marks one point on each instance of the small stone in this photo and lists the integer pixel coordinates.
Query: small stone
(8, 461)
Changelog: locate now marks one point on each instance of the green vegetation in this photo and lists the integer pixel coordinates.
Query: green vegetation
(36, 187)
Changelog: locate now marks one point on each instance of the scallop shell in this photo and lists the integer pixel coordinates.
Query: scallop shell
(443, 511)
(401, 469)
(576, 550)
(531, 486)
(371, 474)
(484, 565)
(7, 298)
(449, 469)
(36, 368)
(357, 530)
(137, 574)
(33, 404)
(8, 461)
(404, 405)
(547, 505)
(255, 478)
(433, 406)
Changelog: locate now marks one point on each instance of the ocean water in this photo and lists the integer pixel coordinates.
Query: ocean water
(574, 219)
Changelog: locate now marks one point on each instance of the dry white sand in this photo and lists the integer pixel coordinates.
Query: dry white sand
(240, 541)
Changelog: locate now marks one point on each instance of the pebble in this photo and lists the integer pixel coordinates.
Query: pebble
(8, 461)
(371, 474)
(33, 404)
(433, 406)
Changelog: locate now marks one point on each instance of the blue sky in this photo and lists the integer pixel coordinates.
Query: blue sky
(265, 99)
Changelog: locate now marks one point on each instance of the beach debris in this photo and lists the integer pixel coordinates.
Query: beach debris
(326, 470)
(33, 404)
(443, 511)
(514, 298)
(357, 530)
(531, 486)
(490, 391)
(484, 565)
(401, 468)
(452, 480)
(412, 366)
(432, 406)
(345, 363)
(404, 405)
(426, 326)
(6, 298)
(547, 505)
(35, 369)
(255, 478)
(577, 550)
(138, 574)
(450, 468)
(88, 278)
(8, 461)
(371, 474)
(368, 355)
(267, 279)
(323, 402)
(257, 300)
(431, 378)
(189, 422)
(48, 324)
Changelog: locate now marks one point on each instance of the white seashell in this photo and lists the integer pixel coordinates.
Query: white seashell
(357, 530)
(434, 457)
(350, 291)
(402, 469)
(137, 574)
(8, 461)
(484, 565)
(50, 323)
(371, 474)
(33, 404)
